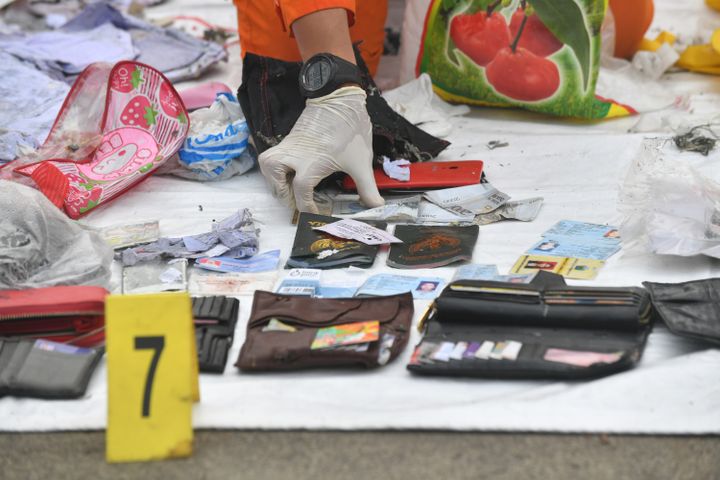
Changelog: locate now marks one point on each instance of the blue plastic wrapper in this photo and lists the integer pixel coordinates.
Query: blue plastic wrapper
(218, 136)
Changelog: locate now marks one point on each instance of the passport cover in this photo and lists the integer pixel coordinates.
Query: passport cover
(315, 249)
(430, 247)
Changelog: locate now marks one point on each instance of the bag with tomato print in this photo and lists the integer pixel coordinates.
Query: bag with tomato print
(118, 124)
(542, 55)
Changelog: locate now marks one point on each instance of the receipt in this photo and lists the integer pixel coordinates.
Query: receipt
(523, 210)
(360, 231)
(469, 200)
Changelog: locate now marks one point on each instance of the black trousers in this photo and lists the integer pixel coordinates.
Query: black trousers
(271, 100)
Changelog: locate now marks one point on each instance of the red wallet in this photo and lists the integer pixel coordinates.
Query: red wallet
(74, 315)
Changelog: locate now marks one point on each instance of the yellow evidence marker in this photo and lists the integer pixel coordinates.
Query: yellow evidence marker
(152, 376)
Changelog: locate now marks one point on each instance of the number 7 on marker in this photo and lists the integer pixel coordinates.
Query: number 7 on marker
(150, 343)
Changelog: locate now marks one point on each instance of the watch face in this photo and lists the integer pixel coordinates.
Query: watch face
(317, 74)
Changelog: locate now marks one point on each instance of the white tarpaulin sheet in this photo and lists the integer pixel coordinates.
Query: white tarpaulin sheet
(577, 168)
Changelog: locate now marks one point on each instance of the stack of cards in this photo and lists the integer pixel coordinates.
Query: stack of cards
(573, 249)
(431, 352)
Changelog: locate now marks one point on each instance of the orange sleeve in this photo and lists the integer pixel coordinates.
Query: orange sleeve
(291, 10)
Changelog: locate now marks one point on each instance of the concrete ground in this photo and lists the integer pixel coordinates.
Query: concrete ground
(374, 455)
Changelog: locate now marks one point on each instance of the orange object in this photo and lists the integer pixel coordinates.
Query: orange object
(265, 32)
(632, 20)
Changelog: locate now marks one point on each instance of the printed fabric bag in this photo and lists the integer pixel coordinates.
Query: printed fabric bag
(542, 55)
(118, 124)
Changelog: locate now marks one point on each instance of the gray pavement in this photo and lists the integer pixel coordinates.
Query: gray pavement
(374, 455)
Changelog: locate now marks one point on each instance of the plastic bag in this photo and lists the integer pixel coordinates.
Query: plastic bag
(671, 201)
(118, 124)
(216, 142)
(417, 102)
(553, 67)
(41, 247)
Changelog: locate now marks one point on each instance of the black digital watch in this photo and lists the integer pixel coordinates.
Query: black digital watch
(324, 73)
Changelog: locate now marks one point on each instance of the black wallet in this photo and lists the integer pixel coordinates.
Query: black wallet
(690, 309)
(544, 329)
(215, 319)
(44, 369)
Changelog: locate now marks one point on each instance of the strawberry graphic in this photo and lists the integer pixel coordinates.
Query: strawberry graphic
(136, 78)
(139, 112)
(92, 201)
(80, 201)
(171, 103)
(127, 78)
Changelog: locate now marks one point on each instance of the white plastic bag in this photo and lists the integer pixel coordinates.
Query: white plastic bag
(417, 102)
(671, 201)
(216, 142)
(41, 247)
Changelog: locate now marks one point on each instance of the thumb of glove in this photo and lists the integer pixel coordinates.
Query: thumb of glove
(366, 187)
(361, 172)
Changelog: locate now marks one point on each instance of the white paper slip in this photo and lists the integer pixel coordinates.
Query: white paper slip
(171, 275)
(396, 209)
(429, 213)
(457, 353)
(469, 200)
(360, 231)
(121, 236)
(397, 169)
(523, 210)
(443, 352)
(217, 250)
(485, 350)
(230, 283)
(511, 350)
(304, 274)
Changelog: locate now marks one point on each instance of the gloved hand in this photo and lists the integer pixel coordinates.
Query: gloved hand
(333, 134)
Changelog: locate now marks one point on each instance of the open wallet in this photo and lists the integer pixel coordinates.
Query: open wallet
(215, 319)
(544, 329)
(65, 314)
(289, 332)
(690, 309)
(45, 369)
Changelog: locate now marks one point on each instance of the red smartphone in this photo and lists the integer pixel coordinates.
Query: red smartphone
(427, 176)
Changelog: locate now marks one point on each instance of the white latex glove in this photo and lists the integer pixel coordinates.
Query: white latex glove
(333, 134)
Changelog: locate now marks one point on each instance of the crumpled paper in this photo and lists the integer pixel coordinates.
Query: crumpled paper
(234, 237)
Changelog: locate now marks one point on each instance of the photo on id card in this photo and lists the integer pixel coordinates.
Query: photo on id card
(527, 264)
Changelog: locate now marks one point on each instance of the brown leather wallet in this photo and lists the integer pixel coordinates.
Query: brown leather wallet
(300, 318)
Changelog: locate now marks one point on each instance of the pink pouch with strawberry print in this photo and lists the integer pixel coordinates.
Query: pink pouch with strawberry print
(118, 124)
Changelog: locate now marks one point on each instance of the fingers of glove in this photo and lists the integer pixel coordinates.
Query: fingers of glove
(311, 172)
(304, 188)
(277, 175)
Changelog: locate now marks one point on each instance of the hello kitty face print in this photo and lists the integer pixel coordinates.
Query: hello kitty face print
(121, 152)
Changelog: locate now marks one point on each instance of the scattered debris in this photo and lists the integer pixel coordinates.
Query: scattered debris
(695, 141)
(493, 144)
